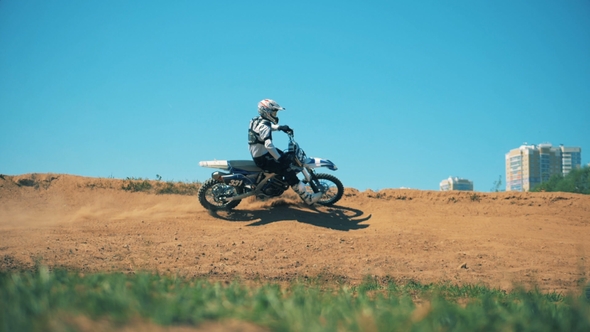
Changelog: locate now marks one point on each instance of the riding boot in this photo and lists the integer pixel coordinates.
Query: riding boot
(308, 198)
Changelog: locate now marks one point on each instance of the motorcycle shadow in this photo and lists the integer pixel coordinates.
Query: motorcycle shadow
(335, 217)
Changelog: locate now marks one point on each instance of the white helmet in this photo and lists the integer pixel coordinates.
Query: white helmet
(268, 108)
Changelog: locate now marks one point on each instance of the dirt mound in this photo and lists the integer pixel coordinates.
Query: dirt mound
(496, 239)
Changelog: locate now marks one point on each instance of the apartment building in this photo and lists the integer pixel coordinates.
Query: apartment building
(571, 158)
(455, 183)
(529, 165)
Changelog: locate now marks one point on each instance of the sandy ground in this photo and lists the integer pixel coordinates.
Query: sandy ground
(496, 239)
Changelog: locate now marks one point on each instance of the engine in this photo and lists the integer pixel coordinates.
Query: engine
(274, 187)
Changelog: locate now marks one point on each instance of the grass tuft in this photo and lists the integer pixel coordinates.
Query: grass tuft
(160, 188)
(136, 184)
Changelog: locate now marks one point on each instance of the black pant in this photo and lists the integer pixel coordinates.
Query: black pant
(268, 163)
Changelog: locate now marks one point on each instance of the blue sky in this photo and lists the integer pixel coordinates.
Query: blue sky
(396, 93)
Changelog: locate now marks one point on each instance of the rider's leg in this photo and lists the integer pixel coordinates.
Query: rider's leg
(268, 163)
(308, 197)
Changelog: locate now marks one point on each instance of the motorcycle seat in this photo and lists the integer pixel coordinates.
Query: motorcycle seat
(246, 165)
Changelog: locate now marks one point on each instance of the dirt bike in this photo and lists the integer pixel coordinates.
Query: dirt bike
(225, 190)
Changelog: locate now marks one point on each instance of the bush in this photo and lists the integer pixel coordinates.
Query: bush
(577, 181)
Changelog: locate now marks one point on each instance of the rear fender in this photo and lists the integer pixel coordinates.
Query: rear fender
(221, 164)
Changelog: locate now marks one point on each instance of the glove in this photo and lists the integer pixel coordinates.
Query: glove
(286, 129)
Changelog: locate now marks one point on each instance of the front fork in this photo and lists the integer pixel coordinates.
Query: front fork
(312, 179)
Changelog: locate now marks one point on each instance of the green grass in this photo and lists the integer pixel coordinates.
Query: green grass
(136, 184)
(43, 300)
(159, 187)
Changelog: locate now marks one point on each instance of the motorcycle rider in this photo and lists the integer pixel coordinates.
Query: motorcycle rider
(267, 156)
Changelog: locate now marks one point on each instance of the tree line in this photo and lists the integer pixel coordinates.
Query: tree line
(576, 181)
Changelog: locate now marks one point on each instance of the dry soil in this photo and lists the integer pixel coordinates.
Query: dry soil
(500, 240)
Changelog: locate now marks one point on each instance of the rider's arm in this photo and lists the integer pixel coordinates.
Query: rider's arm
(266, 135)
(271, 149)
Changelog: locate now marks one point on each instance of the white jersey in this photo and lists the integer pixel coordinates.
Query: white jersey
(260, 138)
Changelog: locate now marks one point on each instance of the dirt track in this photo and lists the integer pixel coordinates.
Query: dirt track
(497, 239)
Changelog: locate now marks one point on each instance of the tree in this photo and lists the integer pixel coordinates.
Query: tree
(497, 184)
(577, 181)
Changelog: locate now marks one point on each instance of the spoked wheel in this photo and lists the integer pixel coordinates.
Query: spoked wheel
(213, 195)
(332, 188)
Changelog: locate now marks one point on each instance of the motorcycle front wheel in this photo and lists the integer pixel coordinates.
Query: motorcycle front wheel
(213, 195)
(332, 188)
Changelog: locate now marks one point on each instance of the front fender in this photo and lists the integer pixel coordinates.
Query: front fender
(319, 162)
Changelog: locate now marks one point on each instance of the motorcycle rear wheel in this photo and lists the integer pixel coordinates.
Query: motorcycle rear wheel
(333, 189)
(212, 192)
